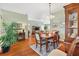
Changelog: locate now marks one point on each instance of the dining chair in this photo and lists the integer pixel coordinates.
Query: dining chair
(55, 39)
(39, 41)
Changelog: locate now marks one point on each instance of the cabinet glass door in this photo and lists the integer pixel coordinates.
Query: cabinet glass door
(73, 24)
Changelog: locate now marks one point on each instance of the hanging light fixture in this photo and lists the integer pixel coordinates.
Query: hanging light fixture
(51, 16)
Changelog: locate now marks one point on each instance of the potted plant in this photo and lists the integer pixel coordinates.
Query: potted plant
(9, 38)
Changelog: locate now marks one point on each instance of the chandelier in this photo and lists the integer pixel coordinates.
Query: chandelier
(51, 16)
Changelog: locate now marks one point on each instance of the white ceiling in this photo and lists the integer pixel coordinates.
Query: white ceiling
(33, 10)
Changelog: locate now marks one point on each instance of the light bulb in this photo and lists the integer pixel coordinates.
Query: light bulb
(52, 16)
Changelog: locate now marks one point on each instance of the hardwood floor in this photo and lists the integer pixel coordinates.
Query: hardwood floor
(21, 48)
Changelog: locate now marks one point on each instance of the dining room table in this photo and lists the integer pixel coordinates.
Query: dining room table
(47, 36)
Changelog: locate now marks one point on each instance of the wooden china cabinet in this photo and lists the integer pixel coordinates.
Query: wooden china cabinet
(72, 27)
(71, 21)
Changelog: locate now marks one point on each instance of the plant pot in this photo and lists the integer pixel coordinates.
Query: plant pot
(5, 49)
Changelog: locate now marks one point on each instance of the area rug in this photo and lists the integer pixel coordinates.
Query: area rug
(43, 52)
